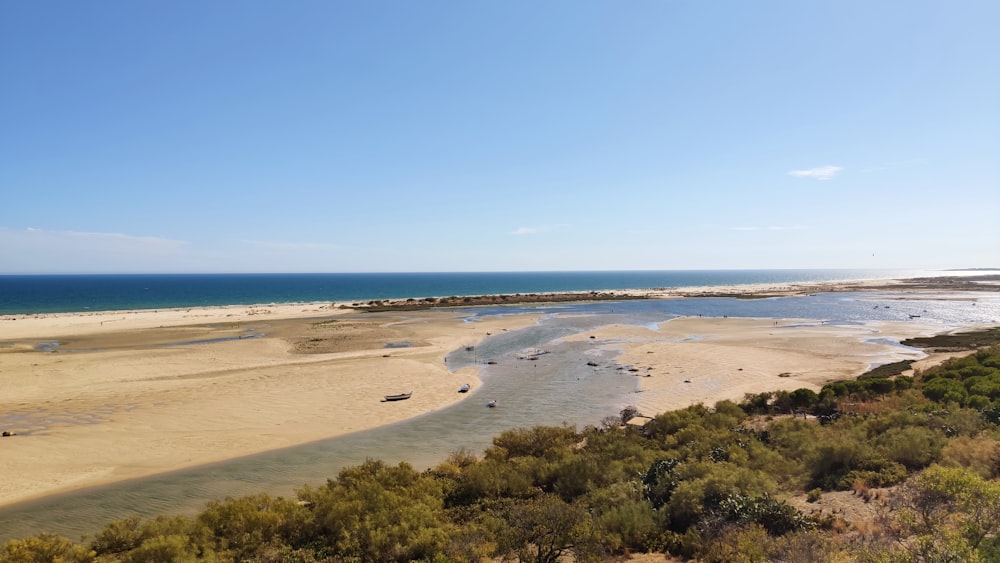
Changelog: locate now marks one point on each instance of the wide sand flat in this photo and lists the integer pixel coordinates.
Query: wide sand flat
(133, 394)
(692, 360)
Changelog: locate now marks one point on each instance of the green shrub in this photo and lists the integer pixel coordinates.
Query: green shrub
(539, 441)
(702, 486)
(544, 529)
(777, 517)
(660, 481)
(814, 495)
(490, 478)
(873, 471)
(247, 526)
(163, 549)
(944, 390)
(915, 447)
(45, 548)
(377, 512)
(629, 524)
(978, 402)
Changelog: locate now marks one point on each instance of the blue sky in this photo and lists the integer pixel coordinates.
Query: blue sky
(247, 136)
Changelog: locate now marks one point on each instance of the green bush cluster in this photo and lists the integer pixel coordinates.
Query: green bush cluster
(699, 482)
(972, 381)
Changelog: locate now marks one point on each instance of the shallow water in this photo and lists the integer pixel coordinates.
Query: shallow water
(558, 387)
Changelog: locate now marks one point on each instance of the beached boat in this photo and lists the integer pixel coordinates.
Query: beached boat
(465, 388)
(399, 397)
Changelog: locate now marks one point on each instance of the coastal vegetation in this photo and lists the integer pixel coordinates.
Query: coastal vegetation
(954, 283)
(411, 304)
(884, 468)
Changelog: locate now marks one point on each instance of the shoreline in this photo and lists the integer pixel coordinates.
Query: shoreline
(130, 404)
(972, 280)
(132, 394)
(689, 360)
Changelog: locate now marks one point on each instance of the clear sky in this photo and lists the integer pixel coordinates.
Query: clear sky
(351, 136)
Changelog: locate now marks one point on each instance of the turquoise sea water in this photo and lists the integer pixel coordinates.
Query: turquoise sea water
(23, 294)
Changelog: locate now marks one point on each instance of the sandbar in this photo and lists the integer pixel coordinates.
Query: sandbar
(101, 397)
(131, 394)
(691, 360)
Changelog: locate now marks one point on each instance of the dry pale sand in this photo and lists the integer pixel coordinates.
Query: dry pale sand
(692, 360)
(125, 397)
(130, 394)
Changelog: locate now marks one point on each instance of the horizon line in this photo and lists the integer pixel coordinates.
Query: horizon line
(438, 272)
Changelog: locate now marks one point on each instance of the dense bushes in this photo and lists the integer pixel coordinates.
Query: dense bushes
(970, 381)
(699, 482)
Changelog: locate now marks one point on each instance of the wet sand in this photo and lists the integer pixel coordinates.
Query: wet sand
(692, 360)
(98, 398)
(127, 395)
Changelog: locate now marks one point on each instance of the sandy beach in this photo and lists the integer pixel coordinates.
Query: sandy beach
(131, 394)
(692, 360)
(137, 393)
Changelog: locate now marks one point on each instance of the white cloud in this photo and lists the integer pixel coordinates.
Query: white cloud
(34, 250)
(95, 237)
(526, 231)
(819, 173)
(534, 230)
(776, 228)
(538, 229)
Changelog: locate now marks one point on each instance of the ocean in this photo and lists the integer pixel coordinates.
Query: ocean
(33, 294)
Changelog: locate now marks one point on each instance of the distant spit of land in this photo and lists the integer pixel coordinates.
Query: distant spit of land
(749, 291)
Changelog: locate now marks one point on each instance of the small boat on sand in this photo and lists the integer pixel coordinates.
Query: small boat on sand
(399, 397)
(491, 404)
(465, 388)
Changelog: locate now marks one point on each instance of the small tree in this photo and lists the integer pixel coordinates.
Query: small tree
(947, 507)
(545, 528)
(43, 549)
(803, 398)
